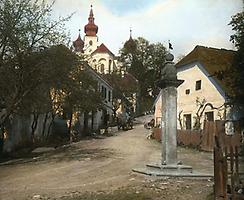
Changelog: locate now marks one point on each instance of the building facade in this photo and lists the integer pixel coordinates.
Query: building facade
(203, 95)
(97, 54)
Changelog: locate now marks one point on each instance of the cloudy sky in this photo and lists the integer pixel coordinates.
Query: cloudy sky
(186, 23)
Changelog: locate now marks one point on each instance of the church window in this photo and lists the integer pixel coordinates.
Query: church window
(109, 66)
(90, 42)
(102, 68)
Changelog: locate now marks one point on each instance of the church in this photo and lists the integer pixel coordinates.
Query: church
(112, 75)
(99, 57)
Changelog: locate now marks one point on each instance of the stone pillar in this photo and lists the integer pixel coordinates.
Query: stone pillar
(169, 165)
(169, 125)
(168, 84)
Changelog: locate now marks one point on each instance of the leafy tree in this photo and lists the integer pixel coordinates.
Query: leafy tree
(237, 24)
(26, 34)
(81, 95)
(233, 76)
(144, 60)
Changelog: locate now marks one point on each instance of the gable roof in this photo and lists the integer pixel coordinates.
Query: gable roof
(127, 83)
(213, 60)
(97, 75)
(102, 49)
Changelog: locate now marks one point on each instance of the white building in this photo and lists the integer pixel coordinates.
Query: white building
(98, 55)
(203, 94)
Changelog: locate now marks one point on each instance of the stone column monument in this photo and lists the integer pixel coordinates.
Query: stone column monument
(168, 84)
(169, 164)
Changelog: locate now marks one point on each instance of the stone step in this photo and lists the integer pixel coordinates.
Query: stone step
(170, 169)
(153, 172)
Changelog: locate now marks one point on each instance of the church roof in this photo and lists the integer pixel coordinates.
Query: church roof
(91, 28)
(103, 49)
(78, 44)
(213, 60)
(130, 45)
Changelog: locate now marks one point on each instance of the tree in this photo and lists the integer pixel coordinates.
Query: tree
(234, 76)
(237, 24)
(144, 60)
(81, 95)
(26, 34)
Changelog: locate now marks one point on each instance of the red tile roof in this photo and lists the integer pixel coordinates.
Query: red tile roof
(102, 49)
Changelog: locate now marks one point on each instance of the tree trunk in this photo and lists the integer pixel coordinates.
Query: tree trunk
(1, 139)
(70, 125)
(33, 127)
(44, 126)
(92, 122)
(85, 123)
(50, 125)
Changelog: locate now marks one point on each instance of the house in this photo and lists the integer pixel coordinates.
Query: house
(203, 95)
(100, 118)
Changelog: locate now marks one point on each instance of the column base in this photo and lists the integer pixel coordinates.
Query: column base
(170, 171)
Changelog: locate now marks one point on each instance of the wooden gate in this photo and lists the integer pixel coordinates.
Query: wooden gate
(228, 166)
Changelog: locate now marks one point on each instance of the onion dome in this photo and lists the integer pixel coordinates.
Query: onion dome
(91, 28)
(130, 45)
(78, 44)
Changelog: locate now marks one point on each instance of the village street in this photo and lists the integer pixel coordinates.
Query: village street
(102, 166)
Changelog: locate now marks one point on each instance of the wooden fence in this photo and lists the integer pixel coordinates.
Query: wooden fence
(202, 139)
(190, 138)
(228, 166)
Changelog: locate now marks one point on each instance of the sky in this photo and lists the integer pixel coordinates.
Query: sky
(186, 23)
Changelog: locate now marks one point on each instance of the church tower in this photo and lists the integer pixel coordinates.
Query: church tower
(90, 38)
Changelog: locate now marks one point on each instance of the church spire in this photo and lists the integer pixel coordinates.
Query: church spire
(130, 33)
(91, 28)
(130, 45)
(91, 16)
(78, 44)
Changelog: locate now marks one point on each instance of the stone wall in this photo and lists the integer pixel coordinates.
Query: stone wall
(18, 131)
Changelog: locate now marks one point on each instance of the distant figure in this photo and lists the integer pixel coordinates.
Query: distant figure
(150, 126)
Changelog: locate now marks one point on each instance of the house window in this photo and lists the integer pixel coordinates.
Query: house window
(109, 96)
(187, 119)
(209, 116)
(187, 91)
(198, 85)
(104, 92)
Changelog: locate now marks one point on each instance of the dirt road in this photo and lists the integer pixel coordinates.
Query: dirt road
(92, 165)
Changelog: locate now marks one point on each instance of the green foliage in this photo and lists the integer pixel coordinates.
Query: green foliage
(237, 24)
(81, 94)
(38, 73)
(144, 60)
(27, 34)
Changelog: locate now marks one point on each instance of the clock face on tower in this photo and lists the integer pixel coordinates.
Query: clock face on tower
(90, 42)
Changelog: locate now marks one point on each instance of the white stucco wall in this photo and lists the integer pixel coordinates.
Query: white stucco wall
(88, 48)
(103, 58)
(210, 91)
